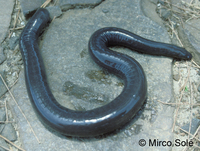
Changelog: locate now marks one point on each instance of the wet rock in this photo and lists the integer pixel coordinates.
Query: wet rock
(2, 57)
(29, 6)
(68, 4)
(194, 125)
(54, 11)
(4, 144)
(9, 132)
(13, 42)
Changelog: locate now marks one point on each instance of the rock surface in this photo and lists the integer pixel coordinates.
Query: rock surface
(194, 125)
(68, 4)
(9, 132)
(4, 144)
(147, 5)
(29, 6)
(54, 11)
(5, 17)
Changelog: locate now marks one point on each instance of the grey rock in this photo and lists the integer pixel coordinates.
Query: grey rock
(54, 11)
(164, 13)
(153, 112)
(5, 17)
(9, 132)
(3, 89)
(188, 44)
(176, 77)
(147, 5)
(194, 125)
(4, 144)
(161, 2)
(2, 57)
(153, 118)
(193, 33)
(189, 35)
(13, 41)
(68, 4)
(29, 6)
(62, 50)
(198, 88)
(199, 72)
(2, 114)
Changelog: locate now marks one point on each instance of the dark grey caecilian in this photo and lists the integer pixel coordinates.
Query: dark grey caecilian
(103, 119)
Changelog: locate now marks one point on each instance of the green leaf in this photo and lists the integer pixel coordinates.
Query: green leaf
(186, 89)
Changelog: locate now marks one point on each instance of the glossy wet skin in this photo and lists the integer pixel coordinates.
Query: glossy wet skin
(103, 119)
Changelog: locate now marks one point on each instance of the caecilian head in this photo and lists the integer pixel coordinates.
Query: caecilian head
(180, 53)
(185, 55)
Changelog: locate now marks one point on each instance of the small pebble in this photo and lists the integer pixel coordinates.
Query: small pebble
(165, 13)
(153, 118)
(176, 77)
(138, 129)
(13, 42)
(198, 88)
(128, 133)
(13, 35)
(194, 125)
(22, 23)
(153, 112)
(105, 11)
(199, 72)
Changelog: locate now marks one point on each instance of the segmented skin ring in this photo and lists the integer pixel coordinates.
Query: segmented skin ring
(103, 119)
